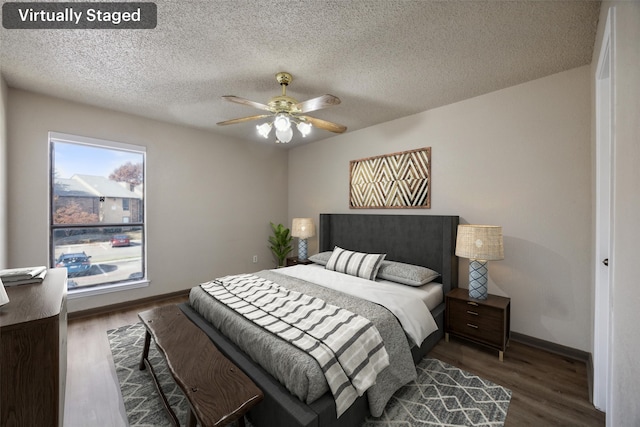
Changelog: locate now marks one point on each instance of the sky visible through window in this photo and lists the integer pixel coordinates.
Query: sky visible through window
(71, 159)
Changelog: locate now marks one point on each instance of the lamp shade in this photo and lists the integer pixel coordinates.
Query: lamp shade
(481, 242)
(303, 228)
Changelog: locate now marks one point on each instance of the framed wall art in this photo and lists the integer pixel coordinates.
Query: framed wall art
(398, 180)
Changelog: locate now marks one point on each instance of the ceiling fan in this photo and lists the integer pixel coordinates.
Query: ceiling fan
(287, 111)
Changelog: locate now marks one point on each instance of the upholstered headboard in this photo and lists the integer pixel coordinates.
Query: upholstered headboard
(427, 240)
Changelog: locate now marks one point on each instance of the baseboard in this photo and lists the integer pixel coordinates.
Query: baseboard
(551, 347)
(126, 305)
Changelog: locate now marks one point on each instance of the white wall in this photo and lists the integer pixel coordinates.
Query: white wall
(519, 158)
(209, 198)
(3, 173)
(625, 291)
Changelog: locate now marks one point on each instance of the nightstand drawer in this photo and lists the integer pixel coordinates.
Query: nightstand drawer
(483, 321)
(472, 310)
(487, 330)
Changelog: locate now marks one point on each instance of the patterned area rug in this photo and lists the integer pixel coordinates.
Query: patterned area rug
(141, 400)
(443, 395)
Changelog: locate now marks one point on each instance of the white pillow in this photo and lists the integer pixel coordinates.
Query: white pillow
(355, 263)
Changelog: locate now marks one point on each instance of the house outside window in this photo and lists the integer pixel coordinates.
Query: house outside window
(97, 213)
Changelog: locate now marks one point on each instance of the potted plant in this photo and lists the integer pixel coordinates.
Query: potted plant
(280, 243)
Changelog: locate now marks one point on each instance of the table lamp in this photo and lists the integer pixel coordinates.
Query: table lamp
(302, 228)
(479, 243)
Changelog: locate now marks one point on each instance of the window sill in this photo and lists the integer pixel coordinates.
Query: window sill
(106, 289)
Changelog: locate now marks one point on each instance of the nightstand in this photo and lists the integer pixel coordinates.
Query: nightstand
(485, 322)
(295, 261)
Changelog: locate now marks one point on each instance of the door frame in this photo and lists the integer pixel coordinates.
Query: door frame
(603, 274)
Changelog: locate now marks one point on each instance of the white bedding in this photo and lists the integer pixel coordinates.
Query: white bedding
(405, 302)
(431, 294)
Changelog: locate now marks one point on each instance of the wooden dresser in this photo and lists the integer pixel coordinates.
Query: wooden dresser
(486, 322)
(33, 353)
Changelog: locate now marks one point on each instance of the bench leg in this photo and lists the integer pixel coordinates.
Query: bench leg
(144, 364)
(145, 350)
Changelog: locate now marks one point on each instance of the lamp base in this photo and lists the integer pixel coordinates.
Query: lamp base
(478, 287)
(302, 249)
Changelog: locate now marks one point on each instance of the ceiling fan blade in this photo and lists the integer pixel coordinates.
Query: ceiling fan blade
(323, 124)
(243, 119)
(314, 104)
(247, 102)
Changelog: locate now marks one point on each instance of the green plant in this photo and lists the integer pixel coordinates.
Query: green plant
(280, 242)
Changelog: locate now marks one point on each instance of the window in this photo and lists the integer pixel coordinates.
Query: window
(97, 213)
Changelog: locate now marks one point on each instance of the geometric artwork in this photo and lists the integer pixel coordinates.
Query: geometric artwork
(399, 180)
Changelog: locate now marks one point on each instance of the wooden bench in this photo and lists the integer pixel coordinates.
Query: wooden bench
(218, 392)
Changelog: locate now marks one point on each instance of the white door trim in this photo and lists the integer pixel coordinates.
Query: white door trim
(605, 126)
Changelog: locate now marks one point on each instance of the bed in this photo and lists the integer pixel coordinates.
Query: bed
(420, 240)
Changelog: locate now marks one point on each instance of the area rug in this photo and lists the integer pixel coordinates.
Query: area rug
(442, 395)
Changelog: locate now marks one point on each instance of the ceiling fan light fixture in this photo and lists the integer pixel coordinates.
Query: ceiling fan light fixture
(282, 122)
(282, 112)
(284, 135)
(304, 128)
(264, 129)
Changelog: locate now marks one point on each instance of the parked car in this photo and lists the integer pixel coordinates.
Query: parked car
(120, 240)
(75, 263)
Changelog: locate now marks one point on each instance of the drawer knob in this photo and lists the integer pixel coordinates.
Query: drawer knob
(475, 304)
(472, 326)
(472, 312)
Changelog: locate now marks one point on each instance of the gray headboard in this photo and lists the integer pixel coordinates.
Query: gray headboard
(427, 240)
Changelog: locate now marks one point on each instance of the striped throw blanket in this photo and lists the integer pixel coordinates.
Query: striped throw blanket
(347, 346)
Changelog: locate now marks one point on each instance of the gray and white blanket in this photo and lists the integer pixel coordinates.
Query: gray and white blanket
(347, 346)
(295, 369)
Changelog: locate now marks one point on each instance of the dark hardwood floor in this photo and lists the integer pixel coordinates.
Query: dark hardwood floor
(93, 393)
(548, 389)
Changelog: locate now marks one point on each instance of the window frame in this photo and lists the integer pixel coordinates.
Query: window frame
(106, 144)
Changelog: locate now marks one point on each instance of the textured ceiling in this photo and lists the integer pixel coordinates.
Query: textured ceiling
(383, 59)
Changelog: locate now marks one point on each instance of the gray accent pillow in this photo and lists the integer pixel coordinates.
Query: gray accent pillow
(322, 258)
(407, 274)
(355, 263)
